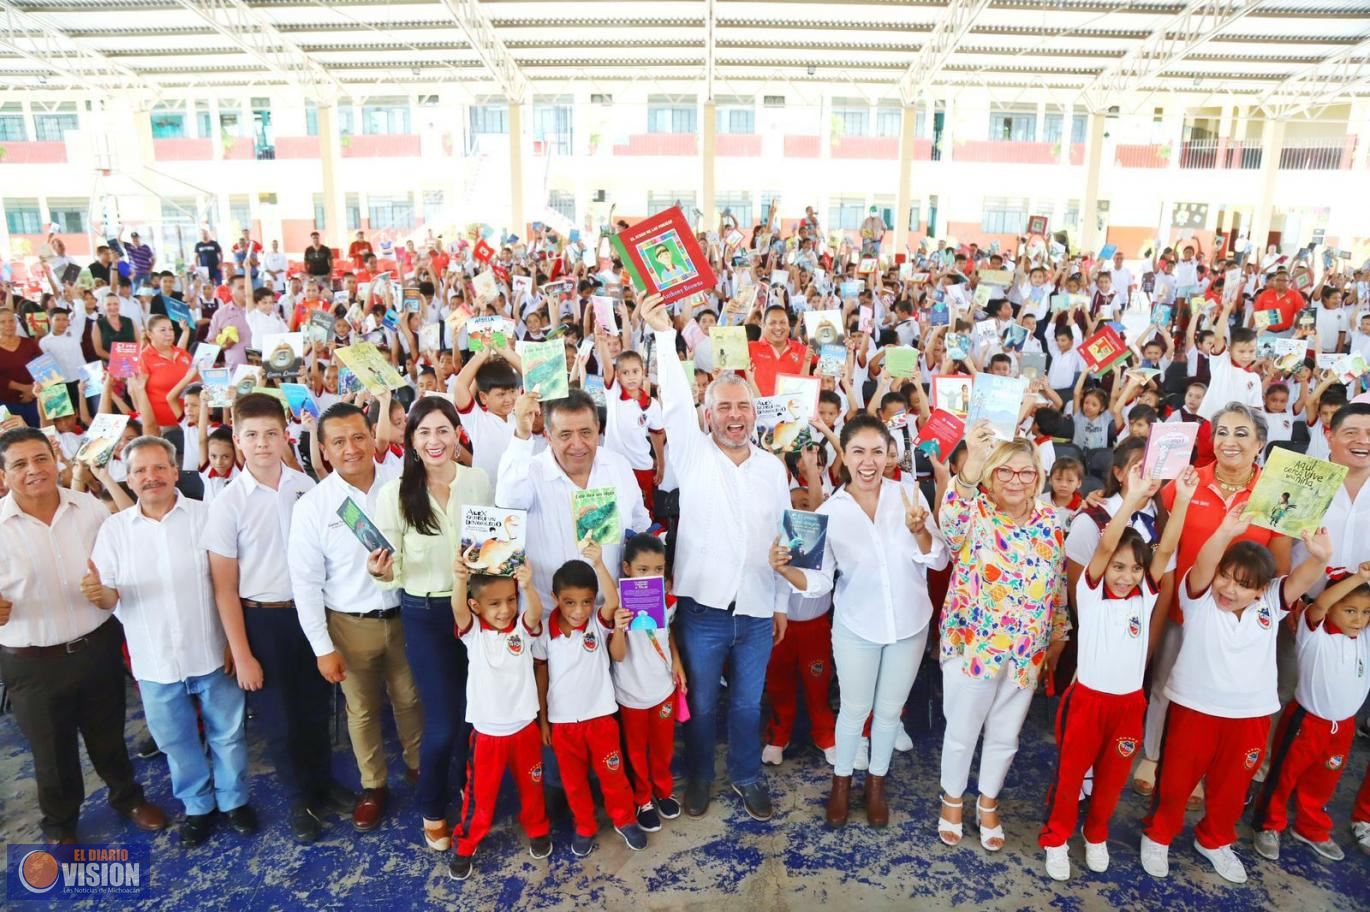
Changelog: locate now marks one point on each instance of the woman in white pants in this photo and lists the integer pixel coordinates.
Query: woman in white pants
(882, 541)
(1005, 618)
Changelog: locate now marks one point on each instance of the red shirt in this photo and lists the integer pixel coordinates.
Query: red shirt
(766, 363)
(1288, 304)
(163, 373)
(14, 368)
(357, 252)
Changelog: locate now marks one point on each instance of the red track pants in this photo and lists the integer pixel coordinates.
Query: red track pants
(1224, 753)
(649, 740)
(1306, 762)
(593, 744)
(520, 754)
(806, 651)
(646, 482)
(1099, 730)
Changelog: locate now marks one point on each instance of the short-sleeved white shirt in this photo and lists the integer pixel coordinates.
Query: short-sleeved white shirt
(646, 676)
(627, 424)
(1334, 671)
(578, 681)
(250, 523)
(1112, 635)
(490, 436)
(501, 691)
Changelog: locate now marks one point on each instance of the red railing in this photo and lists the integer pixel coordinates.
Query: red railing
(802, 146)
(297, 147)
(868, 147)
(1009, 152)
(33, 153)
(183, 149)
(659, 144)
(738, 145)
(388, 145)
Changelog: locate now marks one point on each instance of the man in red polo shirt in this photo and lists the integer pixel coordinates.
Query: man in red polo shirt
(775, 352)
(1279, 296)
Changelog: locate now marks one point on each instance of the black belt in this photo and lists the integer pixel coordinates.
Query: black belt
(56, 649)
(379, 613)
(252, 603)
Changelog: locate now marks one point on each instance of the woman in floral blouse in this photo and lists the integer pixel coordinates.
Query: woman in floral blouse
(1005, 617)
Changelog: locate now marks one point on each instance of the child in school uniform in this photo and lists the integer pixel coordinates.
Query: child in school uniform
(1222, 690)
(578, 705)
(1100, 721)
(645, 683)
(1313, 741)
(501, 705)
(633, 424)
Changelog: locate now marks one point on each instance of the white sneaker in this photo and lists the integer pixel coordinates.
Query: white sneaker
(1327, 849)
(863, 755)
(1058, 862)
(902, 742)
(774, 754)
(1096, 856)
(1155, 858)
(830, 755)
(1360, 831)
(1225, 862)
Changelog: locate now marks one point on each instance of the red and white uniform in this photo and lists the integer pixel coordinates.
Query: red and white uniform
(490, 436)
(644, 685)
(805, 653)
(1099, 724)
(1222, 692)
(580, 707)
(1314, 737)
(628, 421)
(214, 483)
(502, 707)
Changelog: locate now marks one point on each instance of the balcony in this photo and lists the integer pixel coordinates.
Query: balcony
(802, 146)
(183, 149)
(867, 147)
(1131, 155)
(1318, 155)
(33, 153)
(297, 147)
(387, 145)
(660, 144)
(738, 145)
(553, 145)
(239, 148)
(1226, 154)
(1015, 152)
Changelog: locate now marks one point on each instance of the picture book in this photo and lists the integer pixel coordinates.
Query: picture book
(951, 393)
(980, 299)
(1161, 315)
(55, 402)
(594, 385)
(693, 334)
(102, 436)
(644, 597)
(865, 320)
(806, 535)
(411, 300)
(824, 327)
(604, 313)
(779, 278)
(958, 346)
(1103, 350)
(901, 361)
(782, 423)
(941, 433)
(1293, 492)
(487, 331)
(1032, 365)
(217, 390)
(37, 323)
(1015, 336)
(998, 400)
(544, 369)
(485, 287)
(1290, 354)
(355, 518)
(206, 353)
(1037, 224)
(939, 314)
(493, 540)
(1106, 252)
(320, 328)
(44, 370)
(94, 374)
(832, 360)
(430, 337)
(730, 348)
(850, 289)
(662, 256)
(1000, 277)
(794, 384)
(1264, 319)
(246, 378)
(1169, 448)
(300, 400)
(282, 355)
(595, 511)
(1350, 367)
(370, 367)
(178, 311)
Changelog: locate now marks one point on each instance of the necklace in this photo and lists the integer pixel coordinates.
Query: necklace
(1233, 488)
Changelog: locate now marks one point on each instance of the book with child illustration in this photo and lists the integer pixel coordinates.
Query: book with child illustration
(782, 422)
(218, 392)
(662, 256)
(595, 511)
(544, 369)
(375, 373)
(1168, 449)
(206, 353)
(806, 535)
(951, 393)
(832, 360)
(300, 400)
(98, 445)
(1294, 492)
(355, 518)
(644, 598)
(998, 400)
(958, 346)
(730, 348)
(483, 332)
(493, 540)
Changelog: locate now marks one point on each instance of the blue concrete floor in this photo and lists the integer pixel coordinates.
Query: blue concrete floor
(790, 863)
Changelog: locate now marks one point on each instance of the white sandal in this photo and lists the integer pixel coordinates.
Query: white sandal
(989, 833)
(945, 828)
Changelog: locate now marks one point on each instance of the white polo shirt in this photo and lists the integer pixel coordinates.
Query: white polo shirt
(1226, 666)
(1334, 671)
(627, 424)
(1112, 635)
(578, 682)
(166, 597)
(250, 523)
(1229, 383)
(500, 663)
(1279, 425)
(646, 676)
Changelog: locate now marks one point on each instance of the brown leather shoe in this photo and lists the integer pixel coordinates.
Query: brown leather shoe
(369, 809)
(877, 811)
(147, 816)
(839, 800)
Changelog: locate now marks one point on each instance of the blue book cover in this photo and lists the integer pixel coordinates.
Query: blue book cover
(178, 311)
(806, 535)
(998, 399)
(44, 370)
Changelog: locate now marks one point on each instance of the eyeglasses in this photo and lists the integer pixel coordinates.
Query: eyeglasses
(1003, 475)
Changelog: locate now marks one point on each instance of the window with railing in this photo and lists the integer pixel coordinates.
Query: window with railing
(311, 119)
(672, 115)
(735, 119)
(552, 126)
(71, 216)
(850, 118)
(562, 202)
(846, 214)
(23, 217)
(488, 119)
(346, 115)
(433, 201)
(240, 212)
(385, 116)
(12, 128)
(887, 121)
(1000, 215)
(168, 124)
(660, 202)
(54, 127)
(390, 211)
(1071, 219)
(352, 203)
(1012, 126)
(739, 204)
(1051, 128)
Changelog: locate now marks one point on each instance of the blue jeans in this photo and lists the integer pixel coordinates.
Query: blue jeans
(874, 676)
(438, 662)
(709, 638)
(171, 720)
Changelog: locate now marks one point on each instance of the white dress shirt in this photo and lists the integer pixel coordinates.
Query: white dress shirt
(882, 594)
(328, 563)
(1348, 526)
(250, 523)
(41, 568)
(729, 513)
(538, 484)
(166, 598)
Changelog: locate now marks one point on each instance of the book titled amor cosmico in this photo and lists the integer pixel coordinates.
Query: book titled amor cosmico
(1294, 492)
(662, 256)
(595, 511)
(782, 423)
(493, 540)
(355, 518)
(806, 535)
(644, 597)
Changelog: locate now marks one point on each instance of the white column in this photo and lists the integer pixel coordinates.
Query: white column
(1272, 142)
(516, 219)
(908, 119)
(330, 154)
(1094, 148)
(708, 155)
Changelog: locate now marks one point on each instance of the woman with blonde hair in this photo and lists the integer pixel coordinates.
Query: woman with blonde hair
(1005, 618)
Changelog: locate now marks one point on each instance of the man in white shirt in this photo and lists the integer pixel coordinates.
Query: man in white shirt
(150, 567)
(59, 655)
(732, 605)
(1348, 518)
(276, 264)
(1123, 280)
(246, 536)
(543, 483)
(353, 625)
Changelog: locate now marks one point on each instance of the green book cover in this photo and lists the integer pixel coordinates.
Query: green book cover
(901, 361)
(55, 401)
(1294, 492)
(544, 369)
(596, 514)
